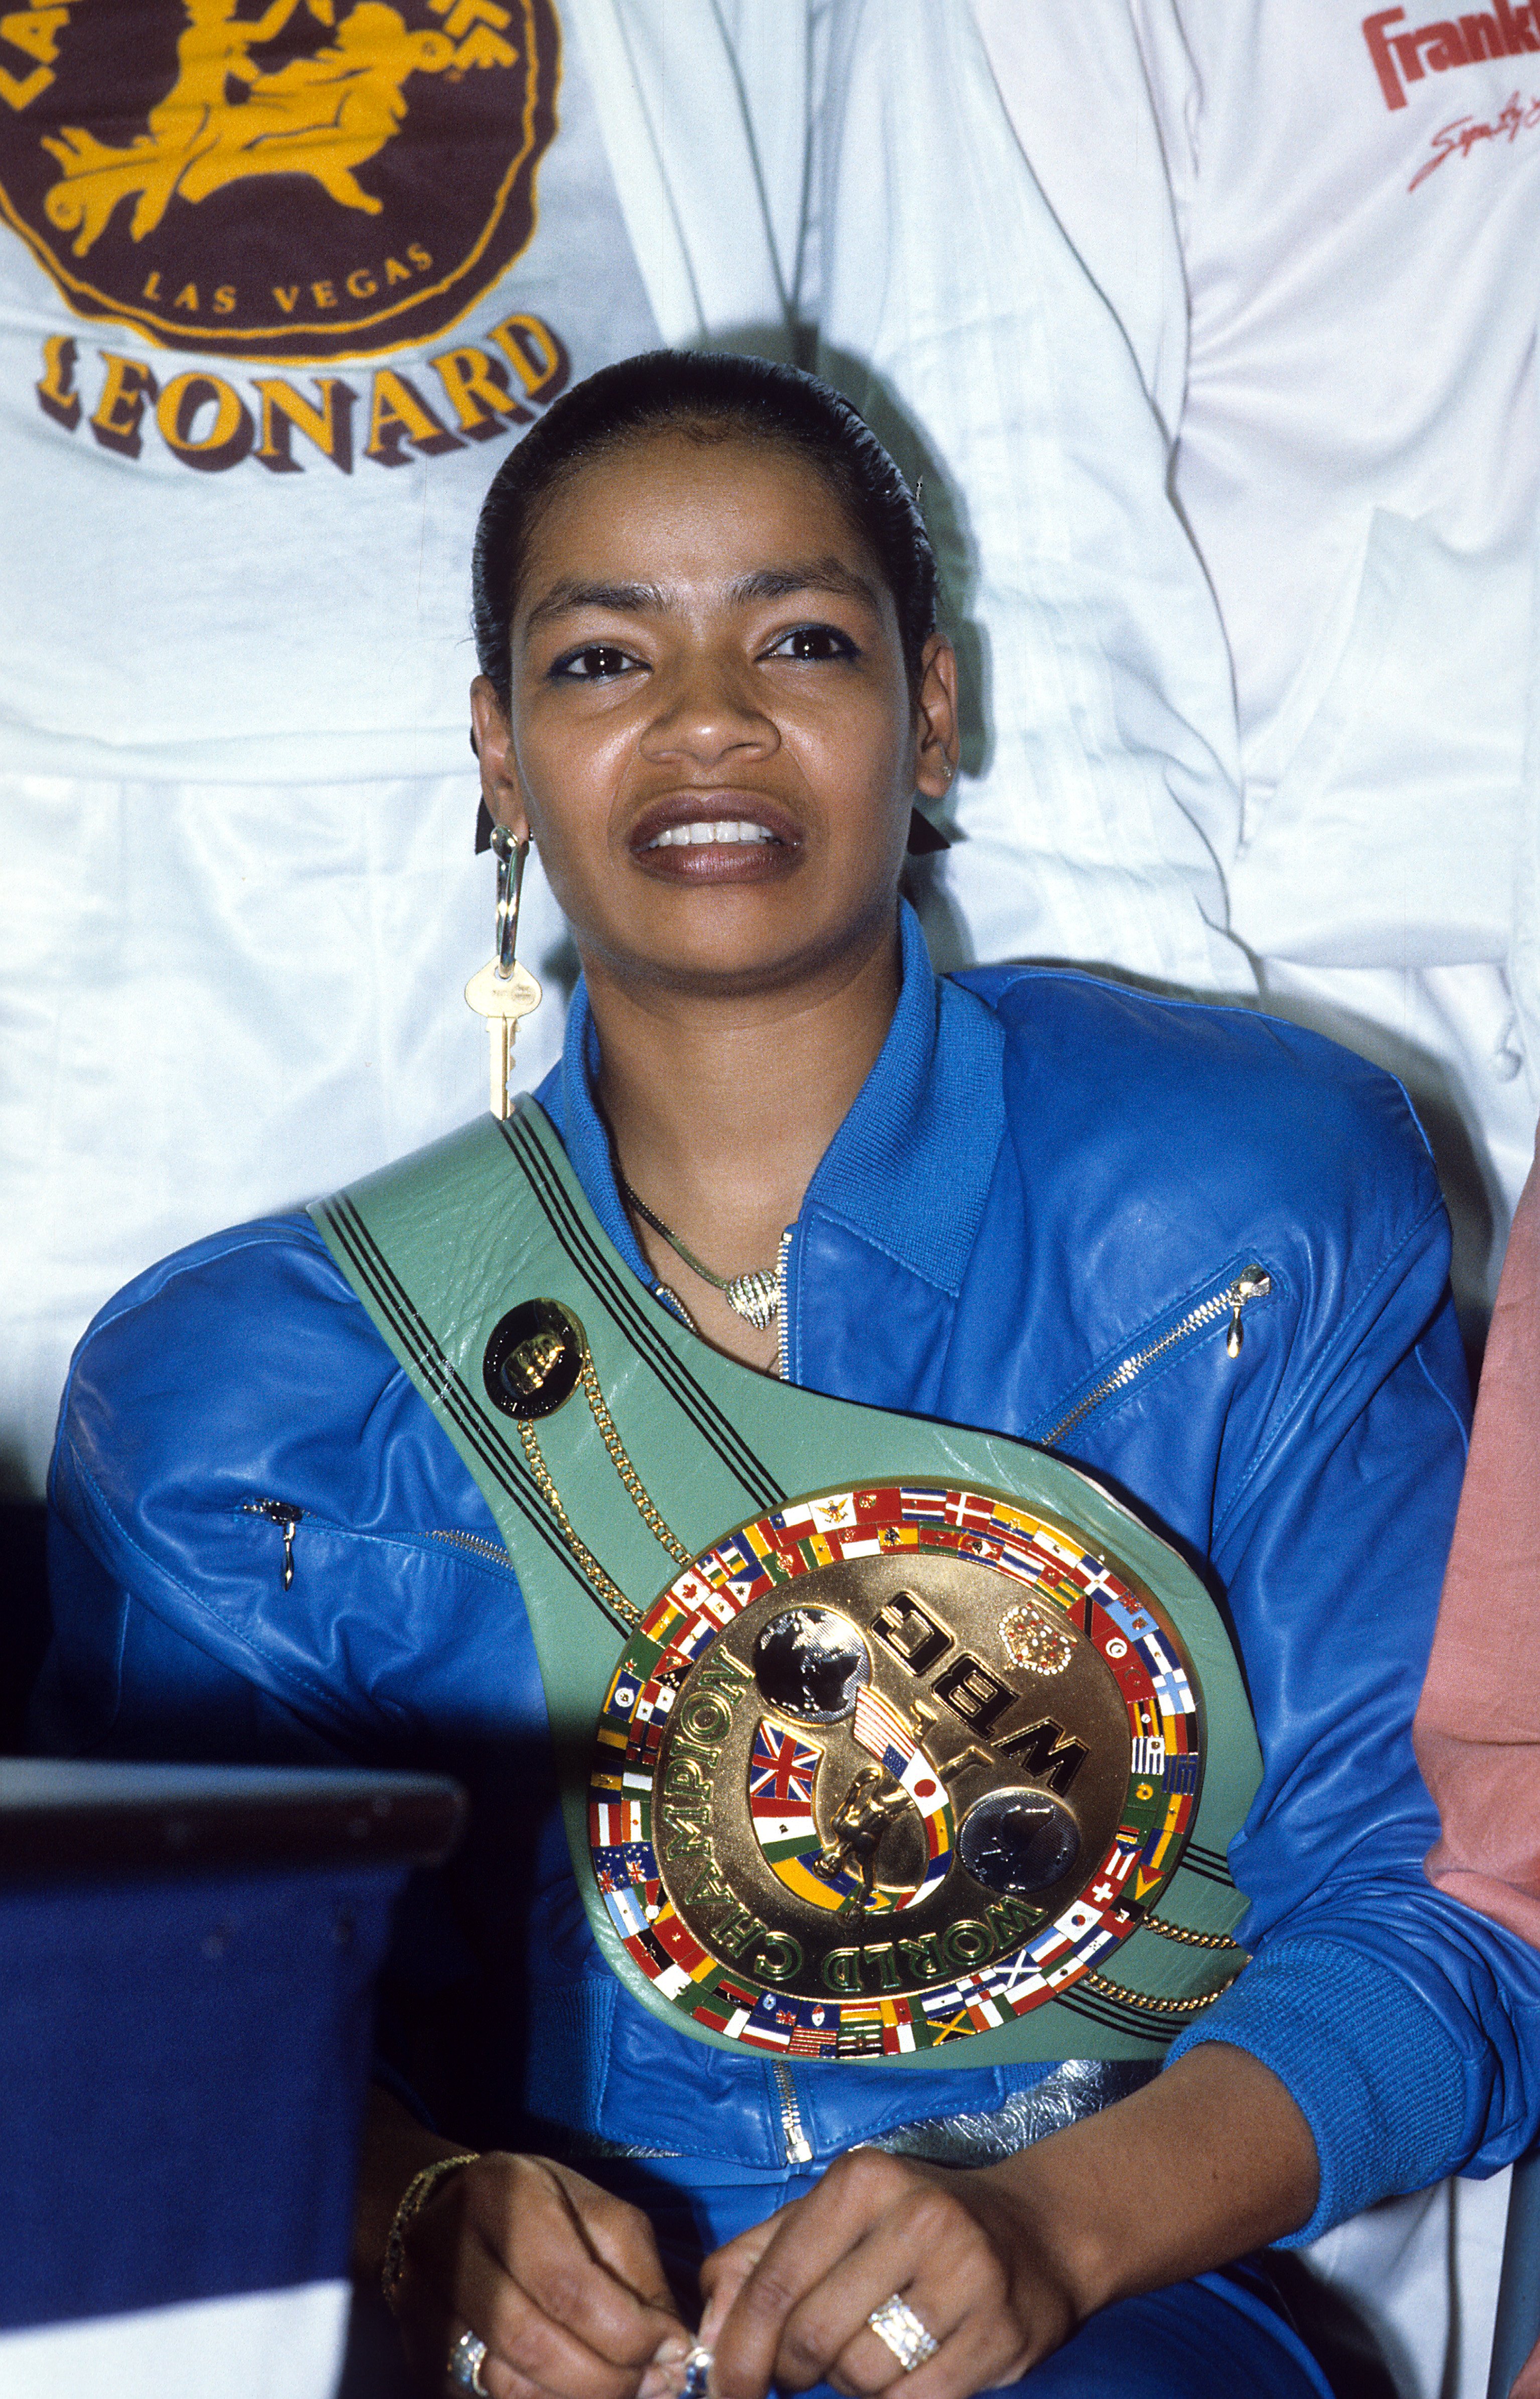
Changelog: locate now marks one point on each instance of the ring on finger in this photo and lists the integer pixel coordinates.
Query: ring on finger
(466, 2360)
(900, 2331)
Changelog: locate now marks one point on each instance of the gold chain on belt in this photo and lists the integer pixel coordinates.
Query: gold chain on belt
(612, 1598)
(1143, 2000)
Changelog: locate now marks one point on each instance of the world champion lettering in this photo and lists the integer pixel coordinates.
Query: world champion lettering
(684, 1809)
(210, 423)
(684, 1805)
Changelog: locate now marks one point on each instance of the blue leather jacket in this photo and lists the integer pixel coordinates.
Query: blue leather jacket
(1018, 1226)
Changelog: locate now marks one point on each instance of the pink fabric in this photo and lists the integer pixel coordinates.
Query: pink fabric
(1477, 1729)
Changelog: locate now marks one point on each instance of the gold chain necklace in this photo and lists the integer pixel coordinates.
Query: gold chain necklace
(755, 1295)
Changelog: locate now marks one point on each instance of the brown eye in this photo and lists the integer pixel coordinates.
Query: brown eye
(814, 644)
(595, 662)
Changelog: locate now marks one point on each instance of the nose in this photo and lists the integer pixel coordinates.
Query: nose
(704, 711)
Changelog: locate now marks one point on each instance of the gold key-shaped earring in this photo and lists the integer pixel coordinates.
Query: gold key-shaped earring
(503, 991)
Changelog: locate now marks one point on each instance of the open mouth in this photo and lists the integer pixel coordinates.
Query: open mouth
(724, 831)
(693, 838)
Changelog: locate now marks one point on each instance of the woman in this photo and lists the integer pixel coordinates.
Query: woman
(711, 689)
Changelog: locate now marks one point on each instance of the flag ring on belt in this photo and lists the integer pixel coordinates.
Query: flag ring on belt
(888, 1767)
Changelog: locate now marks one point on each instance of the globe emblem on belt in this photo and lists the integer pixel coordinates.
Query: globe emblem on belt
(888, 1767)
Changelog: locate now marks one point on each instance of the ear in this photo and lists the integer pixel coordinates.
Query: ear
(937, 747)
(492, 739)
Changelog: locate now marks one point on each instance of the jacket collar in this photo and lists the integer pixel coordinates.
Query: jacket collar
(909, 1168)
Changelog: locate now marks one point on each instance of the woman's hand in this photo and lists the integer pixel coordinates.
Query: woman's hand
(1211, 2159)
(562, 2281)
(789, 2301)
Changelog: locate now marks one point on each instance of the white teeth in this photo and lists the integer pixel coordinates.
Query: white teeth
(724, 831)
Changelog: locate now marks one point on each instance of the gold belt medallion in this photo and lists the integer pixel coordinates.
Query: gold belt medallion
(889, 1766)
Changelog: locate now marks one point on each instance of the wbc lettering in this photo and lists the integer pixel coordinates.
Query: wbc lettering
(1042, 1749)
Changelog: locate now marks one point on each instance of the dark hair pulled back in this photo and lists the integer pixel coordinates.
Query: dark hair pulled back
(730, 394)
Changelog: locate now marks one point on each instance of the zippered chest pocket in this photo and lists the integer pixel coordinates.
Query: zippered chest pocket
(288, 1519)
(1223, 1307)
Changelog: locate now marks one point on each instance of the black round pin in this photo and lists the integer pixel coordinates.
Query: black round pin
(533, 1359)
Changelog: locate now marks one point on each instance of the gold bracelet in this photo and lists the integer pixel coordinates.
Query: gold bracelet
(416, 2197)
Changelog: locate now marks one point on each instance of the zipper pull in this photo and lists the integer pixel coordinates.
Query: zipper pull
(286, 1520)
(1252, 1283)
(783, 1299)
(798, 2148)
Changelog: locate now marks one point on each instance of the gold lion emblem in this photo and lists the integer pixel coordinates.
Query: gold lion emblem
(322, 116)
(278, 178)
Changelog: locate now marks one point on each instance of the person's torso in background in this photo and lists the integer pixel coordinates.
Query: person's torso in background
(1309, 220)
(1355, 195)
(1310, 223)
(257, 265)
(1355, 192)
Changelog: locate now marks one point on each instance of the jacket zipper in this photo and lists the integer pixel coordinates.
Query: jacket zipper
(799, 2148)
(483, 1548)
(1252, 1283)
(783, 1311)
(278, 1511)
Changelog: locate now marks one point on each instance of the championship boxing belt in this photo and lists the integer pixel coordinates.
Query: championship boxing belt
(874, 1733)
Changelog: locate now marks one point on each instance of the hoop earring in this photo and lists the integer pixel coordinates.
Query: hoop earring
(503, 991)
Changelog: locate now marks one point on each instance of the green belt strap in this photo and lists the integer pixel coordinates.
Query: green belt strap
(440, 1248)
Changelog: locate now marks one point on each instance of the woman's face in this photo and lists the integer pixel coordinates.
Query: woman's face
(711, 739)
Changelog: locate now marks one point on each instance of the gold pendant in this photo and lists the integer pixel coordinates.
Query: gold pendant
(755, 1296)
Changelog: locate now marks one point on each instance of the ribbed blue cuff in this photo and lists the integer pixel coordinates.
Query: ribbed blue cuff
(1373, 2072)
